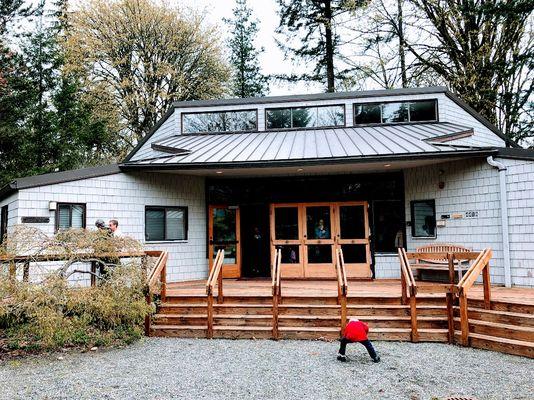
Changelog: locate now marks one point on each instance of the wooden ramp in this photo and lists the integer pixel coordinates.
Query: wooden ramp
(310, 310)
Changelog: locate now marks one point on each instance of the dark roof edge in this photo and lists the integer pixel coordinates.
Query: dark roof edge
(309, 97)
(314, 161)
(516, 153)
(471, 111)
(58, 177)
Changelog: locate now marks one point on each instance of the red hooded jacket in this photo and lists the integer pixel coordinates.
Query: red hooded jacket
(356, 331)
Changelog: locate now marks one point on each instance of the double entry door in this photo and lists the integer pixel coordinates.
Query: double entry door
(309, 234)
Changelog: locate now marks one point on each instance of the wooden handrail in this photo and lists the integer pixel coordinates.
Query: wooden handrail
(276, 289)
(480, 265)
(342, 288)
(409, 285)
(214, 276)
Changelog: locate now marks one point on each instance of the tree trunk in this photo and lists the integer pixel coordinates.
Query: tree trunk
(329, 47)
(402, 55)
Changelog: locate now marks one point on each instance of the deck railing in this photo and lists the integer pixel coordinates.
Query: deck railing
(214, 276)
(276, 289)
(342, 288)
(409, 291)
(479, 266)
(157, 275)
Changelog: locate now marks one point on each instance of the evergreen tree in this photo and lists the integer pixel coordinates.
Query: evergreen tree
(247, 79)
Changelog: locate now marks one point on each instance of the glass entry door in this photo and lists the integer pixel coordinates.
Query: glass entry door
(309, 234)
(224, 234)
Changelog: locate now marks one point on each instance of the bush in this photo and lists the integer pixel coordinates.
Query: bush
(53, 315)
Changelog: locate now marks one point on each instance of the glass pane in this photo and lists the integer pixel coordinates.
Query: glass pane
(395, 112)
(279, 118)
(64, 216)
(423, 218)
(388, 218)
(320, 254)
(224, 225)
(175, 225)
(290, 254)
(77, 216)
(354, 253)
(232, 121)
(331, 116)
(155, 225)
(352, 222)
(304, 117)
(318, 222)
(286, 223)
(367, 114)
(423, 111)
(230, 253)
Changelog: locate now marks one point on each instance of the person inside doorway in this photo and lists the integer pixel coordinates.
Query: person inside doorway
(257, 246)
(321, 231)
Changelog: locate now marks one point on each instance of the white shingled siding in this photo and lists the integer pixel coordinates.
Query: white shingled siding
(387, 266)
(12, 202)
(447, 109)
(124, 197)
(474, 186)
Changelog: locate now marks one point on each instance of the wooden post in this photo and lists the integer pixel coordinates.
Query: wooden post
(487, 286)
(343, 313)
(404, 297)
(163, 279)
(93, 272)
(220, 298)
(450, 259)
(464, 319)
(210, 316)
(413, 317)
(275, 316)
(26, 271)
(450, 316)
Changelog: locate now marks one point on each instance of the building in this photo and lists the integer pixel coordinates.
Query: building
(364, 171)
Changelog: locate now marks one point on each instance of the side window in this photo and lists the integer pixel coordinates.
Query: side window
(70, 215)
(3, 223)
(165, 223)
(423, 218)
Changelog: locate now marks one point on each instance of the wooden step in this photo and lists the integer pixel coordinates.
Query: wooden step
(372, 299)
(182, 299)
(309, 333)
(509, 346)
(242, 332)
(182, 308)
(265, 300)
(508, 306)
(243, 320)
(243, 308)
(515, 332)
(378, 309)
(311, 300)
(309, 309)
(183, 331)
(503, 317)
(180, 319)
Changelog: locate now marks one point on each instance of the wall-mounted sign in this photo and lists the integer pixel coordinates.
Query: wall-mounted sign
(471, 214)
(35, 220)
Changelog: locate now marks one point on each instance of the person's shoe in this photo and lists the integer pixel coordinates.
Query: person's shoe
(342, 358)
(377, 359)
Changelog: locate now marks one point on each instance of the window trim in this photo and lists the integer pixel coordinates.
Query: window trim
(412, 218)
(185, 210)
(84, 215)
(4, 215)
(306, 128)
(182, 114)
(354, 105)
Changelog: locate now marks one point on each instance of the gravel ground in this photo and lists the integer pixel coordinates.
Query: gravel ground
(244, 369)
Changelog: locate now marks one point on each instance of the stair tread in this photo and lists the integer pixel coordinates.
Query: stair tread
(309, 328)
(241, 328)
(498, 339)
(166, 315)
(176, 305)
(178, 327)
(243, 305)
(243, 316)
(498, 312)
(498, 325)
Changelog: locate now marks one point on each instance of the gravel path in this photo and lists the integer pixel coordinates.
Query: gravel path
(243, 369)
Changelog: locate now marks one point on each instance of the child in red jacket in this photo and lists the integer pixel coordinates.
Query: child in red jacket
(356, 331)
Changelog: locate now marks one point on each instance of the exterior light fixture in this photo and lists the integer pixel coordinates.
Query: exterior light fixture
(300, 169)
(52, 206)
(218, 172)
(387, 165)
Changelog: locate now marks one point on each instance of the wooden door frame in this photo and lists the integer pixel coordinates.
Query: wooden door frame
(228, 270)
(301, 270)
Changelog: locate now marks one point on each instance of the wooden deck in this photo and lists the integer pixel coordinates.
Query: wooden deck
(328, 288)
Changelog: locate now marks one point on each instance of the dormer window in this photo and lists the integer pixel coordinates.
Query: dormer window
(305, 117)
(220, 121)
(395, 112)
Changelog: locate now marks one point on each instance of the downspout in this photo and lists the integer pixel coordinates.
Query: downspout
(504, 219)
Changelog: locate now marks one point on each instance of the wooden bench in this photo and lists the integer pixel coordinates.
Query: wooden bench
(430, 263)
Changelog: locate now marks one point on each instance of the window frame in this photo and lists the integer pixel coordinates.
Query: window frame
(182, 114)
(305, 128)
(185, 210)
(84, 214)
(4, 215)
(380, 103)
(412, 218)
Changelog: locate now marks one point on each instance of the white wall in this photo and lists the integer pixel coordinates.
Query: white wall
(12, 202)
(124, 197)
(474, 186)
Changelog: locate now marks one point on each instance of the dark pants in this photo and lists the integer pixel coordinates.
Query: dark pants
(367, 343)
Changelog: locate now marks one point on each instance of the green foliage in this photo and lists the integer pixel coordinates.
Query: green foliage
(247, 79)
(53, 315)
